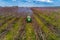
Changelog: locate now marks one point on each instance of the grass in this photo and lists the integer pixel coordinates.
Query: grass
(14, 31)
(51, 19)
(3, 20)
(6, 25)
(30, 35)
(28, 31)
(51, 36)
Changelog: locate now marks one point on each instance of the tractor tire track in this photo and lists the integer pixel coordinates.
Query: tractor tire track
(3, 34)
(50, 26)
(38, 31)
(21, 31)
(16, 28)
(29, 31)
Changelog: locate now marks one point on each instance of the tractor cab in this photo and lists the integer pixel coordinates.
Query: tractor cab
(28, 19)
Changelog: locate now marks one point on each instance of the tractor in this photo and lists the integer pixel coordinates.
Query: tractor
(28, 19)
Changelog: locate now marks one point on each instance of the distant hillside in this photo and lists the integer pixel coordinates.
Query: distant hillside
(25, 10)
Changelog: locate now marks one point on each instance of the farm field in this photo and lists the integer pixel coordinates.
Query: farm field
(45, 23)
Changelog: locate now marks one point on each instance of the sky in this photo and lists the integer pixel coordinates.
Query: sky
(29, 3)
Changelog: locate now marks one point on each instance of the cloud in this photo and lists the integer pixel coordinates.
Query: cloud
(45, 0)
(30, 3)
(13, 0)
(48, 1)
